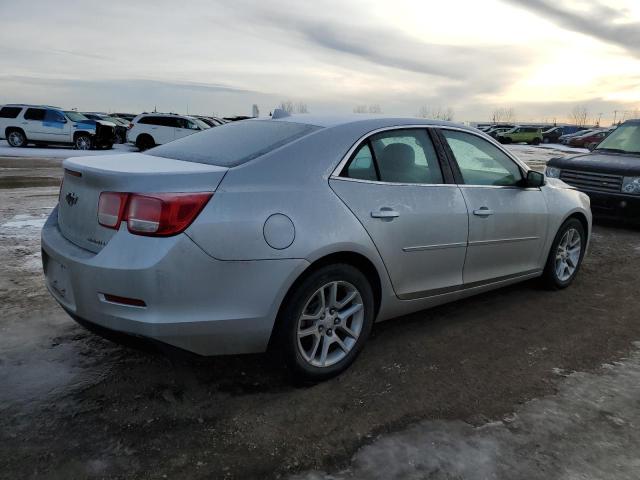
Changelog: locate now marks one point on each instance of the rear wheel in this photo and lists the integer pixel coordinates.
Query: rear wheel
(83, 142)
(566, 255)
(326, 321)
(145, 142)
(17, 138)
(536, 141)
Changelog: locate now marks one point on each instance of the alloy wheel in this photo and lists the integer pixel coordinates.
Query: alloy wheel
(16, 139)
(330, 324)
(83, 143)
(568, 254)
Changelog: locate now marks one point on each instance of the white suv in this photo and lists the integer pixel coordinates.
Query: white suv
(45, 125)
(150, 129)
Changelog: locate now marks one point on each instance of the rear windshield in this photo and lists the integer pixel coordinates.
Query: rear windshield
(233, 144)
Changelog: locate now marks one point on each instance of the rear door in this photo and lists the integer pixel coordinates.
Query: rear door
(398, 189)
(33, 123)
(507, 223)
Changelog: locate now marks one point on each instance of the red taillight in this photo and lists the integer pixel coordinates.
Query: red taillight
(164, 214)
(154, 214)
(130, 126)
(111, 208)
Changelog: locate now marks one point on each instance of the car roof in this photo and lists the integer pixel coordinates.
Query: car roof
(29, 105)
(374, 121)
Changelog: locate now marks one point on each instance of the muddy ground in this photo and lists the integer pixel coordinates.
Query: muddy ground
(73, 405)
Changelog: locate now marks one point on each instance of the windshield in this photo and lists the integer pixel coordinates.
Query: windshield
(625, 138)
(234, 143)
(75, 116)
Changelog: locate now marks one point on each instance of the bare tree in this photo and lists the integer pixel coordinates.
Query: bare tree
(579, 115)
(290, 107)
(373, 108)
(438, 113)
(503, 115)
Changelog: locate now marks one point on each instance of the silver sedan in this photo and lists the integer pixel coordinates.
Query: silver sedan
(298, 233)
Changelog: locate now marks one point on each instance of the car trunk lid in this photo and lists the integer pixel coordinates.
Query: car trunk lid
(85, 178)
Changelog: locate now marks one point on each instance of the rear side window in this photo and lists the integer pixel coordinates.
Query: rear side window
(234, 143)
(34, 114)
(153, 121)
(396, 156)
(9, 112)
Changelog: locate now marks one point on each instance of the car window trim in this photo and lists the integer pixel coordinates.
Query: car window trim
(524, 168)
(348, 157)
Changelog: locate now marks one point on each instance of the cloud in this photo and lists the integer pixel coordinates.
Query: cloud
(598, 20)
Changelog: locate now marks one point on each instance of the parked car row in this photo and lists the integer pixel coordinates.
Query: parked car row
(567, 134)
(22, 125)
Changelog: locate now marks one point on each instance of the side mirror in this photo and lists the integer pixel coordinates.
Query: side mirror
(534, 179)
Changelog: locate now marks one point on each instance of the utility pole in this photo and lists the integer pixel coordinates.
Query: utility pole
(615, 116)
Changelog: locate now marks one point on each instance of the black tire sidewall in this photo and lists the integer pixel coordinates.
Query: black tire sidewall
(24, 139)
(296, 301)
(550, 276)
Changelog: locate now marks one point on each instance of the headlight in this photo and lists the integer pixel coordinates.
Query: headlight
(631, 185)
(552, 172)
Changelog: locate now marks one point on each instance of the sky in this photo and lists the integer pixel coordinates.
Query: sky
(540, 58)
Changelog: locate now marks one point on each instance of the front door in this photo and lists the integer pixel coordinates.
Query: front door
(55, 127)
(507, 223)
(394, 185)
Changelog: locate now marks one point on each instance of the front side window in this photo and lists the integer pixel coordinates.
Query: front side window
(34, 114)
(54, 116)
(480, 162)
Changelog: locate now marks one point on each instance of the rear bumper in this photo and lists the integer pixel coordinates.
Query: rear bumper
(193, 301)
(615, 205)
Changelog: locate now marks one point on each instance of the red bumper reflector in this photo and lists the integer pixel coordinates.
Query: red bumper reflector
(124, 300)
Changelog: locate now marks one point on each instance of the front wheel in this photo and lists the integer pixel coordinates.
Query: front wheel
(565, 257)
(326, 321)
(83, 142)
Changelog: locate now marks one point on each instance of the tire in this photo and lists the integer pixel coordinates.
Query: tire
(546, 140)
(83, 142)
(332, 342)
(107, 146)
(556, 277)
(119, 138)
(144, 142)
(17, 138)
(536, 141)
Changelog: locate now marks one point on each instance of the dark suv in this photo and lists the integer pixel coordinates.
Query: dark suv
(610, 174)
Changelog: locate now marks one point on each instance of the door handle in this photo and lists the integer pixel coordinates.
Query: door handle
(385, 212)
(25, 123)
(483, 212)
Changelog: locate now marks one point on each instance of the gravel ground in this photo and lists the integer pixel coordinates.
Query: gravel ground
(487, 380)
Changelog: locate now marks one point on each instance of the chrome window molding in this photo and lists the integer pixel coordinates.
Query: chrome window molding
(380, 182)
